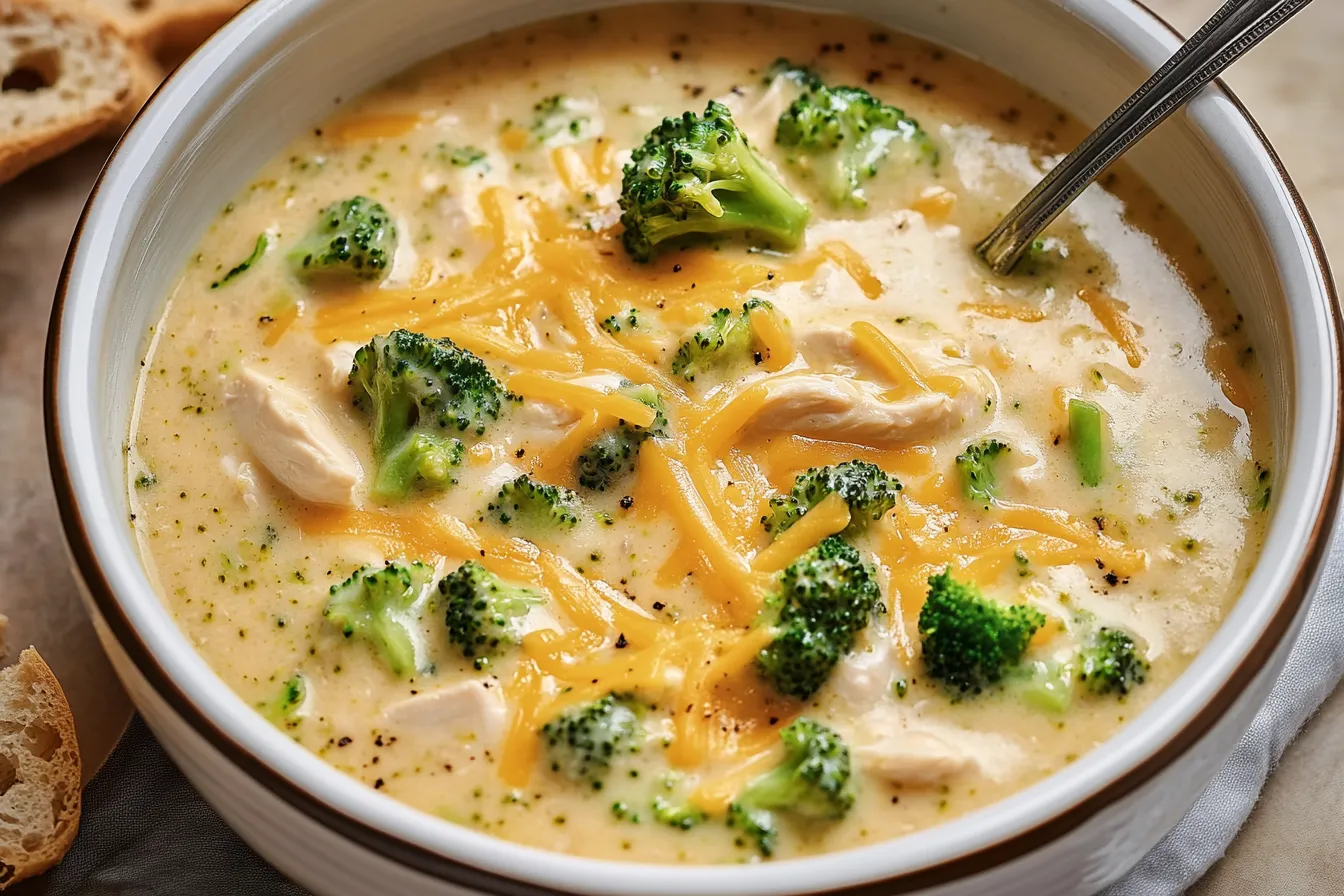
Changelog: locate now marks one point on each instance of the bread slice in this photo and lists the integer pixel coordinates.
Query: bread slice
(39, 770)
(65, 74)
(168, 26)
(146, 75)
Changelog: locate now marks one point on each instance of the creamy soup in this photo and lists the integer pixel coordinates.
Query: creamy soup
(745, 514)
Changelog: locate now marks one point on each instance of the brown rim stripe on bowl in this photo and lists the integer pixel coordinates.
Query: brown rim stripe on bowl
(431, 863)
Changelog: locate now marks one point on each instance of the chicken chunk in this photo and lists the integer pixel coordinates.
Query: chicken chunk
(292, 439)
(903, 747)
(863, 678)
(245, 477)
(826, 406)
(340, 358)
(914, 757)
(468, 710)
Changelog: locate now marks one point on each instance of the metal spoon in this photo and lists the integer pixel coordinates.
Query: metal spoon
(1233, 29)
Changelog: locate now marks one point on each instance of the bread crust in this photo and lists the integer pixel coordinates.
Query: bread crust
(39, 770)
(169, 23)
(36, 125)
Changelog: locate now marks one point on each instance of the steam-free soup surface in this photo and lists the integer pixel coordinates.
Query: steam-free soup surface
(254, 470)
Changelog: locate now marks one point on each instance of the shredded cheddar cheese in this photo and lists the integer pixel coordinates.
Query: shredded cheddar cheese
(1111, 314)
(854, 264)
(373, 126)
(581, 397)
(827, 518)
(884, 354)
(772, 329)
(1004, 311)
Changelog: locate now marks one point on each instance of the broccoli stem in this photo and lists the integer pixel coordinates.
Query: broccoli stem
(1049, 687)
(1085, 435)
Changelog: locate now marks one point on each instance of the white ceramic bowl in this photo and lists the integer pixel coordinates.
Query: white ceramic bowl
(281, 66)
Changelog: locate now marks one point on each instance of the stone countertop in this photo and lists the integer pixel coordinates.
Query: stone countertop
(1293, 84)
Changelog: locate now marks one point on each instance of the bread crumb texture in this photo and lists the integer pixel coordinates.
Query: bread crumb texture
(39, 770)
(64, 74)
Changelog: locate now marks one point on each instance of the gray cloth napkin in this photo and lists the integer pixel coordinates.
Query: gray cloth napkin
(147, 832)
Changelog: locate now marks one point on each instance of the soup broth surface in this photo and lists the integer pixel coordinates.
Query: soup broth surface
(499, 165)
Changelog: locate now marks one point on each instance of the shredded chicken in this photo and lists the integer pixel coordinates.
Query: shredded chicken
(864, 678)
(900, 745)
(340, 357)
(468, 710)
(833, 407)
(245, 477)
(292, 439)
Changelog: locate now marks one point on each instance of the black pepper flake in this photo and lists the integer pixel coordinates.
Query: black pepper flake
(344, 742)
(676, 268)
(621, 643)
(873, 76)
(627, 502)
(1111, 579)
(659, 605)
(520, 452)
(676, 55)
(378, 785)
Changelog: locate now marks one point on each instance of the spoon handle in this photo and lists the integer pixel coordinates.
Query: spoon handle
(1235, 28)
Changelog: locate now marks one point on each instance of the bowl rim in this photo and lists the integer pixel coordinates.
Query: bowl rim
(505, 873)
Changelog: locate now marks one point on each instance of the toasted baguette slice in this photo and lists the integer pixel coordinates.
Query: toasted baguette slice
(175, 25)
(39, 770)
(146, 75)
(66, 75)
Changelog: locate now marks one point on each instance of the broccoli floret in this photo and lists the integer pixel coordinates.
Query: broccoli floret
(841, 135)
(1112, 663)
(824, 599)
(681, 816)
(814, 781)
(483, 613)
(463, 156)
(419, 390)
(286, 708)
(626, 320)
(969, 641)
(381, 605)
(584, 741)
(866, 488)
(1044, 255)
(528, 502)
(725, 338)
(353, 239)
(697, 175)
(612, 454)
(800, 75)
(560, 119)
(976, 466)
